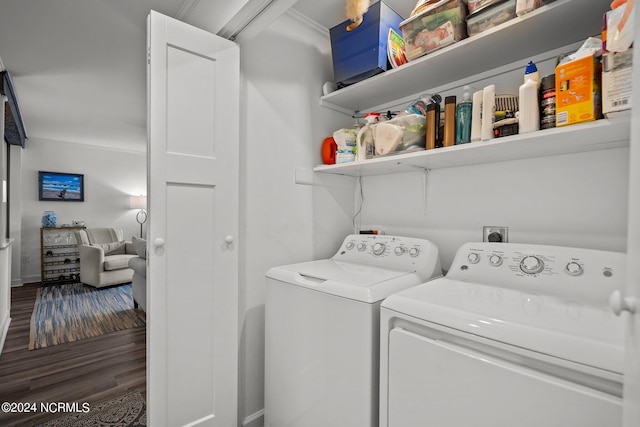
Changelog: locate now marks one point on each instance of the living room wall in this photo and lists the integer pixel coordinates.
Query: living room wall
(110, 176)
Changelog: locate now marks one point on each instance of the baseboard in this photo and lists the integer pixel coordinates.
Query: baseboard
(3, 334)
(254, 420)
(31, 279)
(16, 282)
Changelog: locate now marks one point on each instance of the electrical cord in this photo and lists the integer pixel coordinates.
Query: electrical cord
(357, 229)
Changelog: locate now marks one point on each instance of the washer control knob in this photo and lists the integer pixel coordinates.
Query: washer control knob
(399, 250)
(349, 245)
(414, 252)
(574, 269)
(362, 246)
(473, 258)
(495, 260)
(531, 264)
(378, 248)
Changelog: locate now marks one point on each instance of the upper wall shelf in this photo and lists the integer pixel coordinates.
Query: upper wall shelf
(550, 27)
(599, 135)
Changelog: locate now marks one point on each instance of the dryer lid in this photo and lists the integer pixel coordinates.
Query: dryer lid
(587, 334)
(358, 281)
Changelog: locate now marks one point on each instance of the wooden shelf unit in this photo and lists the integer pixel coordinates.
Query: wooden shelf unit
(59, 255)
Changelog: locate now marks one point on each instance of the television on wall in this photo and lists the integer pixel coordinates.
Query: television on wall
(60, 187)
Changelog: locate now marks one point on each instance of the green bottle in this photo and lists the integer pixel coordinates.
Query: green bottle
(463, 118)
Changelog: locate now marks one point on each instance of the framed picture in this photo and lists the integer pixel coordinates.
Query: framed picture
(60, 187)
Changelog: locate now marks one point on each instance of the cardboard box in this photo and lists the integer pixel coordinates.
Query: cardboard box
(362, 52)
(437, 26)
(578, 91)
(616, 81)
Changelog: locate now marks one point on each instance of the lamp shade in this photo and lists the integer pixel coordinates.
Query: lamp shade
(138, 202)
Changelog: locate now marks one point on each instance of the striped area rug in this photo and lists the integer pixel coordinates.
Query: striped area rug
(72, 312)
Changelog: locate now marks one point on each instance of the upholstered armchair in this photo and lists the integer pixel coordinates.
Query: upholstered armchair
(139, 266)
(104, 257)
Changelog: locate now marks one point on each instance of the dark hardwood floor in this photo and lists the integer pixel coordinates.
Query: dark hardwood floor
(89, 370)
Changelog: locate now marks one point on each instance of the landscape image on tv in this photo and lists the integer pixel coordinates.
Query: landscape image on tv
(61, 186)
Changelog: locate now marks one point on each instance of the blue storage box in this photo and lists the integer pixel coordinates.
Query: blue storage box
(362, 52)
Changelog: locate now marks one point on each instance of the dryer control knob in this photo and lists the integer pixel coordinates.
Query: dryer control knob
(349, 245)
(414, 252)
(574, 269)
(378, 248)
(473, 258)
(531, 264)
(495, 260)
(362, 246)
(399, 250)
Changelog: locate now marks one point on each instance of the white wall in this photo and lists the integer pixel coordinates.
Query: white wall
(569, 200)
(15, 213)
(110, 177)
(282, 222)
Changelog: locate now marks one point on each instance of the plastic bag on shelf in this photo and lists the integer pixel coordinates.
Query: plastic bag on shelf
(620, 27)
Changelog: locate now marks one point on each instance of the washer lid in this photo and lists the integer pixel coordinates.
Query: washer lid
(586, 334)
(358, 281)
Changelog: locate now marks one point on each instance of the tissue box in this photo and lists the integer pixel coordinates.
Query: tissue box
(616, 81)
(578, 91)
(362, 52)
(437, 26)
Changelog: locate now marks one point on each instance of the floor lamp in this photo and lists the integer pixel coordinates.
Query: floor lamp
(140, 202)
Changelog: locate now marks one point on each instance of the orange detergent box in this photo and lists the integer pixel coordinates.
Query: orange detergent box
(578, 91)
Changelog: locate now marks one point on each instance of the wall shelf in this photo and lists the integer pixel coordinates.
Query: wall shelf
(598, 135)
(545, 29)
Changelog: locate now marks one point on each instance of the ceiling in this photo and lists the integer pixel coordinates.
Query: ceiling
(79, 69)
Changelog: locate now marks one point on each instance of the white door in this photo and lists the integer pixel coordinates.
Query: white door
(192, 339)
(631, 416)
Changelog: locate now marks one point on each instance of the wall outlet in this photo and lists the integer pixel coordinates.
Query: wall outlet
(492, 233)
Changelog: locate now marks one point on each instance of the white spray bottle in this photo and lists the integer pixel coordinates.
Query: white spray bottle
(528, 102)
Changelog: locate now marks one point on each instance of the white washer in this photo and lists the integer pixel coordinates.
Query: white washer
(513, 335)
(322, 329)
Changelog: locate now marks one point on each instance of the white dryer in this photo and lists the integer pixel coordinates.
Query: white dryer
(322, 329)
(513, 335)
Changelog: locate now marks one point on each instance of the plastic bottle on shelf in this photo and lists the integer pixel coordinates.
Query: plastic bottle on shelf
(432, 124)
(449, 137)
(463, 118)
(476, 117)
(528, 103)
(488, 111)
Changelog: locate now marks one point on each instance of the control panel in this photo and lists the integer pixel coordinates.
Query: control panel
(553, 270)
(405, 253)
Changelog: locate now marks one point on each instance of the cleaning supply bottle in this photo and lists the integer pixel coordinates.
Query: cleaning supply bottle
(488, 111)
(463, 118)
(432, 124)
(449, 137)
(476, 117)
(528, 103)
